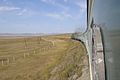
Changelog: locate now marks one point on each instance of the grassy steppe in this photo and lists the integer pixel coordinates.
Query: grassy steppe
(43, 58)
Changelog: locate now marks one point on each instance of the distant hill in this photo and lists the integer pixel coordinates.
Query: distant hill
(21, 34)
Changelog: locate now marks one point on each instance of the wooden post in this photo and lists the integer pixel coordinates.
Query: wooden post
(34, 52)
(13, 58)
(24, 55)
(26, 47)
(39, 38)
(2, 62)
(25, 43)
(8, 60)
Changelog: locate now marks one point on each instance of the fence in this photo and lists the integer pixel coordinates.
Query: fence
(23, 48)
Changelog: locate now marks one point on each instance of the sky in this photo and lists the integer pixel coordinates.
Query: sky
(42, 16)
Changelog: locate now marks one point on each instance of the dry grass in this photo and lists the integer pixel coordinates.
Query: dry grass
(38, 58)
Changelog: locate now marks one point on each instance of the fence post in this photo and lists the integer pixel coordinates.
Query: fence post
(24, 55)
(8, 60)
(34, 52)
(2, 62)
(13, 58)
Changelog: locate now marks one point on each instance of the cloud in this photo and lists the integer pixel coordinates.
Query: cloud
(62, 6)
(48, 1)
(65, 0)
(59, 16)
(8, 8)
(19, 11)
(4, 0)
(22, 12)
(55, 3)
(27, 12)
(66, 15)
(54, 15)
(81, 4)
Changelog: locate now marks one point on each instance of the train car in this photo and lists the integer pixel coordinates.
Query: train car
(106, 15)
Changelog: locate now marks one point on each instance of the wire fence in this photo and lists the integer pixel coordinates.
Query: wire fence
(13, 50)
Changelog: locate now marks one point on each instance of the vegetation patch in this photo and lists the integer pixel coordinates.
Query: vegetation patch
(41, 58)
